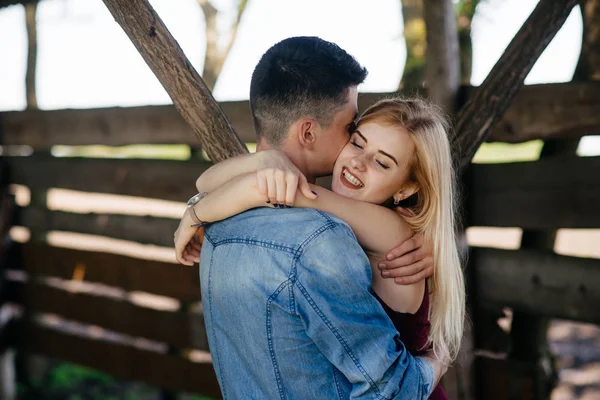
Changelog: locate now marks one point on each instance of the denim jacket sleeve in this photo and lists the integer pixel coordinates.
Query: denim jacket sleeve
(348, 325)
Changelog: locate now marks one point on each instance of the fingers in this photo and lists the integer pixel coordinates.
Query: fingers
(408, 270)
(182, 257)
(407, 246)
(261, 183)
(409, 280)
(271, 187)
(290, 192)
(280, 186)
(305, 188)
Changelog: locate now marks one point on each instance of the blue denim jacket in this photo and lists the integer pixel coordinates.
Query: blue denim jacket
(290, 314)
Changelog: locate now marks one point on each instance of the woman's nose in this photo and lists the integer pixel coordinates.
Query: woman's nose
(357, 163)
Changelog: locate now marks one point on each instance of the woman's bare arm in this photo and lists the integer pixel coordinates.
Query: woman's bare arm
(377, 228)
(226, 170)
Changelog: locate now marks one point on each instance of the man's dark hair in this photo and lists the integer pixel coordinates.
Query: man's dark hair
(297, 78)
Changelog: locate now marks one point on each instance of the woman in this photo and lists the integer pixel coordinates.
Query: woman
(399, 151)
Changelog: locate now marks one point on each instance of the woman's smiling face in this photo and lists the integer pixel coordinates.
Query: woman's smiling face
(375, 164)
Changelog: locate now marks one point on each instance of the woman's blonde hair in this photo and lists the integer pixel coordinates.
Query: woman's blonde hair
(434, 212)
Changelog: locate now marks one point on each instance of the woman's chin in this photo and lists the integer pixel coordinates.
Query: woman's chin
(338, 188)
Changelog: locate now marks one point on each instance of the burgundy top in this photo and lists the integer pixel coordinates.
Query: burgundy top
(414, 329)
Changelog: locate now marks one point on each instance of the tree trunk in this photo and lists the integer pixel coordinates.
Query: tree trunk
(30, 22)
(442, 70)
(177, 75)
(506, 78)
(588, 67)
(466, 11)
(416, 44)
(214, 57)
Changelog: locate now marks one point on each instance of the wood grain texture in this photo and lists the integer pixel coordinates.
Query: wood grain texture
(184, 85)
(176, 328)
(131, 274)
(160, 179)
(545, 194)
(539, 282)
(476, 118)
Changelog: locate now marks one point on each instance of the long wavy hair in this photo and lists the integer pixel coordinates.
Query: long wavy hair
(434, 211)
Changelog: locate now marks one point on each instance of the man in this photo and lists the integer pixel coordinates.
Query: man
(286, 294)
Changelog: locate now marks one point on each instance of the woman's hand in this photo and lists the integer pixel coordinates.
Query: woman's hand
(188, 241)
(408, 263)
(278, 179)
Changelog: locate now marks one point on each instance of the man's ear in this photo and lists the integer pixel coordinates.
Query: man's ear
(408, 189)
(306, 131)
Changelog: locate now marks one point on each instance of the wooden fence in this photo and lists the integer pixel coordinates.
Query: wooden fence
(546, 194)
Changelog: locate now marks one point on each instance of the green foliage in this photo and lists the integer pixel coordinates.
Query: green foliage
(67, 381)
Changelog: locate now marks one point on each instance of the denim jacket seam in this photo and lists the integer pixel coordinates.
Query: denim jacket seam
(339, 337)
(323, 228)
(337, 383)
(269, 333)
(255, 242)
(214, 334)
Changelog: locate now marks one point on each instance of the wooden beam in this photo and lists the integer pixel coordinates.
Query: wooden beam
(161, 179)
(549, 111)
(180, 329)
(125, 362)
(190, 95)
(506, 78)
(545, 194)
(539, 282)
(442, 69)
(146, 230)
(131, 274)
(537, 112)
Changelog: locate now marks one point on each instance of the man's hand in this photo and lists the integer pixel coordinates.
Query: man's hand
(188, 241)
(408, 263)
(278, 179)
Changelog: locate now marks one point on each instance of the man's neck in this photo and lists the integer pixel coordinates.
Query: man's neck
(294, 155)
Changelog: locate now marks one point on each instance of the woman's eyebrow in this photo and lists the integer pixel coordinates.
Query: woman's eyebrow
(380, 151)
(389, 155)
(361, 135)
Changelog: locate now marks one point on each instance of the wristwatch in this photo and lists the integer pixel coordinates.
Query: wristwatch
(195, 199)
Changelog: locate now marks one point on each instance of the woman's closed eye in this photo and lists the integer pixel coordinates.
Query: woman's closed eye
(355, 144)
(382, 165)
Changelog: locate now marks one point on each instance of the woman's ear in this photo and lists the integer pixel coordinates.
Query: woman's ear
(407, 190)
(306, 132)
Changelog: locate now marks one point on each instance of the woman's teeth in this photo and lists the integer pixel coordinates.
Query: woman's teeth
(352, 179)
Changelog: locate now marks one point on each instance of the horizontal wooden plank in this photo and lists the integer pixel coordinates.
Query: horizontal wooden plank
(176, 328)
(540, 195)
(539, 111)
(124, 362)
(550, 111)
(146, 230)
(538, 282)
(131, 274)
(119, 126)
(162, 179)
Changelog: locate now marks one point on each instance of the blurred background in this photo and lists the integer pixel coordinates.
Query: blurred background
(57, 55)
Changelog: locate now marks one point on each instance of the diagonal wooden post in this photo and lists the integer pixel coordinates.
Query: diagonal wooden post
(184, 85)
(492, 98)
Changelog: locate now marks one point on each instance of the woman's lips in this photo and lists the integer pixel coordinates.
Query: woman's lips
(349, 184)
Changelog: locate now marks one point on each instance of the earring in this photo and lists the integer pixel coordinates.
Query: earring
(396, 200)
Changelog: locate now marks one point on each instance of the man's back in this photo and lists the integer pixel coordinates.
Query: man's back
(289, 314)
